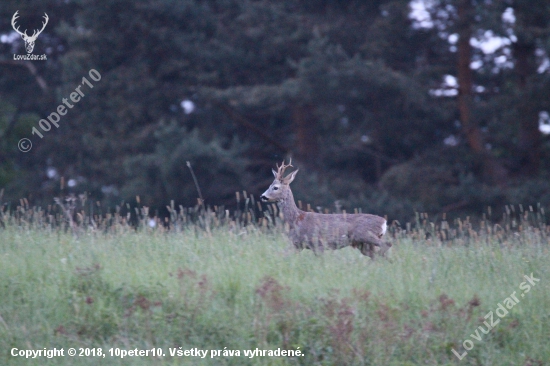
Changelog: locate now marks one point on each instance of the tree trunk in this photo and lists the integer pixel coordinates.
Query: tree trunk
(529, 139)
(306, 137)
(493, 172)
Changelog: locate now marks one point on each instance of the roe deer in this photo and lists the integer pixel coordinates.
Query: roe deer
(315, 231)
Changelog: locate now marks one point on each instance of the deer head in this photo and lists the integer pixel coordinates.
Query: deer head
(278, 190)
(29, 40)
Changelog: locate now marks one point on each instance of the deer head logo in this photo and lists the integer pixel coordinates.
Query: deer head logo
(29, 40)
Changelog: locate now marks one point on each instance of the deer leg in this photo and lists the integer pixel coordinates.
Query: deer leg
(316, 248)
(370, 241)
(386, 245)
(315, 245)
(368, 249)
(365, 248)
(299, 247)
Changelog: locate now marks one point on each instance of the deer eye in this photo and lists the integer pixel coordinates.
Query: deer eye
(275, 188)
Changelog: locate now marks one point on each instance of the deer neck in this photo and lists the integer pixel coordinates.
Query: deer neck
(288, 208)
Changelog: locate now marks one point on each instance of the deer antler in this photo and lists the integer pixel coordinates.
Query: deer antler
(24, 34)
(281, 169)
(35, 34)
(13, 19)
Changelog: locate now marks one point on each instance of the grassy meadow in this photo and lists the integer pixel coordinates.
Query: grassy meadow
(217, 283)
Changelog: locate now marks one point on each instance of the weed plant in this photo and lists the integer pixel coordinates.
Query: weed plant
(74, 276)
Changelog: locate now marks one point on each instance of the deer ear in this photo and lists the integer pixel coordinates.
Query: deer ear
(290, 177)
(274, 172)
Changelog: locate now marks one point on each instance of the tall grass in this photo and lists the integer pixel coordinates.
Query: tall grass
(211, 280)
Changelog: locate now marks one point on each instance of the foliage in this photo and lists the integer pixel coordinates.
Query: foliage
(218, 168)
(356, 92)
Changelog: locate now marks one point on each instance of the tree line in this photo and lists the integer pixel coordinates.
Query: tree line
(388, 106)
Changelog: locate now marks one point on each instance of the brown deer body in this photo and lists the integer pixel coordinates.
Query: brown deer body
(315, 231)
